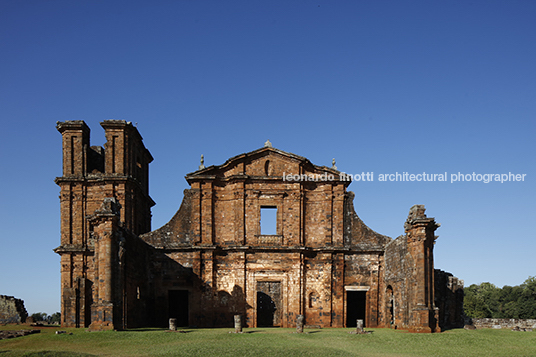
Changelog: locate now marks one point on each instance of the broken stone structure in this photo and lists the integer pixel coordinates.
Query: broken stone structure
(12, 310)
(449, 299)
(217, 257)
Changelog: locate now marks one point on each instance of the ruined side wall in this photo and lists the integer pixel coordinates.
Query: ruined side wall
(358, 234)
(449, 299)
(178, 231)
(134, 269)
(398, 276)
(12, 310)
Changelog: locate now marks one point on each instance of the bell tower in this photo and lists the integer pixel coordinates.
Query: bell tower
(91, 175)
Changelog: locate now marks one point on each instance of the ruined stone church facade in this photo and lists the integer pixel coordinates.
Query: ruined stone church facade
(214, 259)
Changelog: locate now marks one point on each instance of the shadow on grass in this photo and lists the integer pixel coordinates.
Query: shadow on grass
(47, 354)
(261, 330)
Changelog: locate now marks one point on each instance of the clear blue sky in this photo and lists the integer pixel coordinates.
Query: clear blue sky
(382, 86)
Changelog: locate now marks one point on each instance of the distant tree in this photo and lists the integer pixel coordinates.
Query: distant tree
(55, 318)
(39, 316)
(527, 300)
(487, 300)
(474, 303)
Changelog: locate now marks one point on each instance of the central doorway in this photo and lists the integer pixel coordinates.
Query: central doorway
(268, 303)
(356, 306)
(178, 306)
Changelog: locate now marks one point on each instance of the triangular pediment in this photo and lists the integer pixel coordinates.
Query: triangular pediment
(266, 162)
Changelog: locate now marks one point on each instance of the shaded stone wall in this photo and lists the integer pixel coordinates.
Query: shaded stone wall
(449, 300)
(134, 284)
(12, 310)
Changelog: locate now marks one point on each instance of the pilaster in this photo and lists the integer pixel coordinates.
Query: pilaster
(420, 236)
(106, 310)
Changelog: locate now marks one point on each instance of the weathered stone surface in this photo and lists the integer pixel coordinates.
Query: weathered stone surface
(449, 299)
(5, 334)
(12, 310)
(212, 261)
(173, 324)
(359, 326)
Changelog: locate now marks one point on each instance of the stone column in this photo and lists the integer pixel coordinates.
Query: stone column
(238, 323)
(299, 323)
(106, 224)
(359, 326)
(173, 324)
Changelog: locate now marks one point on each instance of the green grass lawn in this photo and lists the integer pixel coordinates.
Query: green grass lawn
(270, 342)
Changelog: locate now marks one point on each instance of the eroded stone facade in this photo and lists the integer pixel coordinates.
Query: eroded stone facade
(12, 310)
(212, 261)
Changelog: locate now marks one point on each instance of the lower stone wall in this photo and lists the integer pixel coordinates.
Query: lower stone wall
(449, 300)
(12, 310)
(504, 323)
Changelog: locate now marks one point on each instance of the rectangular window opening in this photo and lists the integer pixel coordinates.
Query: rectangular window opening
(268, 220)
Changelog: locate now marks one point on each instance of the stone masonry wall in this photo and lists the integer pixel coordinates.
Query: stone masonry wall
(398, 263)
(12, 310)
(504, 323)
(449, 299)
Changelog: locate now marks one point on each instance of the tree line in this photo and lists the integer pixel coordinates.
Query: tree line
(487, 300)
(55, 318)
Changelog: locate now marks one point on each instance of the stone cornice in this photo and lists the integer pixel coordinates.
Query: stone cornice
(262, 249)
(126, 125)
(74, 248)
(102, 178)
(213, 172)
(72, 125)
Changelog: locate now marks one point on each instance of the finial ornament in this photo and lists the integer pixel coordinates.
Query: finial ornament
(202, 166)
(333, 164)
(267, 144)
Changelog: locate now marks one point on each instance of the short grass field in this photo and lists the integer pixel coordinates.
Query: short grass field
(269, 342)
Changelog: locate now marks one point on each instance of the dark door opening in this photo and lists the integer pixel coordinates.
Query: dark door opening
(268, 303)
(356, 306)
(178, 306)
